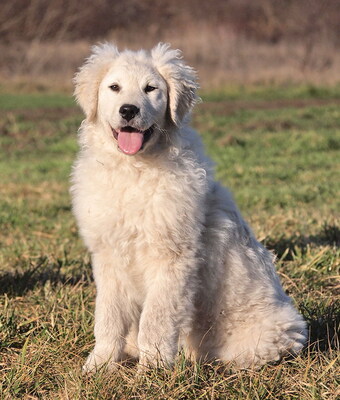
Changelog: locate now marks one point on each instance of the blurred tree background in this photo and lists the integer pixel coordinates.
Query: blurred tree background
(240, 41)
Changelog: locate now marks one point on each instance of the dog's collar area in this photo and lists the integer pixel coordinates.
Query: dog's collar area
(131, 140)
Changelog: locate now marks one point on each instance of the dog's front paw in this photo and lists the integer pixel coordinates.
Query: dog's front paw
(99, 359)
(155, 359)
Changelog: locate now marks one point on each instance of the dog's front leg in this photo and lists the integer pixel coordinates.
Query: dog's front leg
(111, 314)
(168, 310)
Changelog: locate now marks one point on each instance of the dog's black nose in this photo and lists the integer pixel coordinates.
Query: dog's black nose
(128, 111)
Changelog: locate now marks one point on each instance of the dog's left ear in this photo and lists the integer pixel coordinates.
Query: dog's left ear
(181, 80)
(89, 76)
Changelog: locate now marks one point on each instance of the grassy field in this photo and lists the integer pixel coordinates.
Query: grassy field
(277, 149)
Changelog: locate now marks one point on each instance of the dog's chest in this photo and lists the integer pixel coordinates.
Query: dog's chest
(130, 207)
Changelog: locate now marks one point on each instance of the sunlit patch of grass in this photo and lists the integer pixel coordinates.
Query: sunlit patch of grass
(276, 158)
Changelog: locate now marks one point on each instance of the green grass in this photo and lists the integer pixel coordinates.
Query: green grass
(281, 160)
(284, 157)
(275, 92)
(12, 101)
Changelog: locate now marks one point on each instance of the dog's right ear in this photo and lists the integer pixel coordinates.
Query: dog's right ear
(89, 76)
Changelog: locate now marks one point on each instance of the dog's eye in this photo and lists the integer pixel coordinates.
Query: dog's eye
(149, 88)
(114, 88)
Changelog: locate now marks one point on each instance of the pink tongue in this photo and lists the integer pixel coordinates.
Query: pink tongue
(130, 142)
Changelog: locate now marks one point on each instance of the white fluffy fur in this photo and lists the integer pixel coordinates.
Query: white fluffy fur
(174, 263)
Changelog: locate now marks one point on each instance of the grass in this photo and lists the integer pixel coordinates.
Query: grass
(279, 153)
(273, 92)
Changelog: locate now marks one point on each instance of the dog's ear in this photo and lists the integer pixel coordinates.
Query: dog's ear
(181, 80)
(89, 76)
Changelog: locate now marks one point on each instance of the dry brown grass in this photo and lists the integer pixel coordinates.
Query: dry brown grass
(220, 56)
(228, 42)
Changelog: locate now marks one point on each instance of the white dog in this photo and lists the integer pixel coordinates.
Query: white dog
(174, 263)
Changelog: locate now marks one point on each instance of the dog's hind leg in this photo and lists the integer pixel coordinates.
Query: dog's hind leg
(242, 312)
(255, 321)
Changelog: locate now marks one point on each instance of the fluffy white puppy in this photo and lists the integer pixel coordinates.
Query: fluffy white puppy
(174, 263)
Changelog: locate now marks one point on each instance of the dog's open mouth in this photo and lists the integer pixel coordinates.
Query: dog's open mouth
(131, 140)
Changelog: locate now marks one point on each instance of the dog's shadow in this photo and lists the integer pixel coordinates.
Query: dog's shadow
(324, 324)
(285, 247)
(20, 282)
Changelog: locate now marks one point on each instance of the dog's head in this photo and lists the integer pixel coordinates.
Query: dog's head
(138, 97)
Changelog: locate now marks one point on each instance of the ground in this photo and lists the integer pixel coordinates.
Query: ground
(276, 148)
